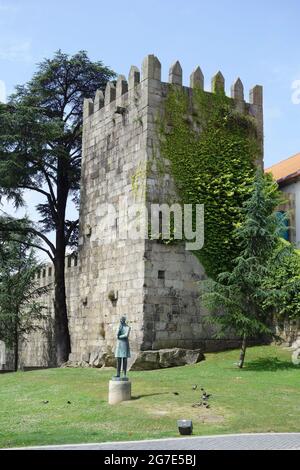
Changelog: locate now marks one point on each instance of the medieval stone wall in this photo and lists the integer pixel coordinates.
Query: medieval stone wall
(38, 349)
(154, 285)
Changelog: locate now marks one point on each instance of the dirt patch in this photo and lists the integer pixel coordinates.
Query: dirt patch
(160, 412)
(209, 416)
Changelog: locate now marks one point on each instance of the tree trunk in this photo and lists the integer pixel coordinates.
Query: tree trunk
(62, 335)
(243, 351)
(16, 347)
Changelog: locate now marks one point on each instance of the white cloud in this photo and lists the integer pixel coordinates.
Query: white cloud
(16, 51)
(2, 92)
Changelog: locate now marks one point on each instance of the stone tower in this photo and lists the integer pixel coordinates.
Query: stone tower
(153, 284)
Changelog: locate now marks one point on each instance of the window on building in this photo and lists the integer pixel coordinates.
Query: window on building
(283, 218)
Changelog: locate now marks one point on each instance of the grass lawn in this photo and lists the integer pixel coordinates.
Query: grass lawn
(263, 397)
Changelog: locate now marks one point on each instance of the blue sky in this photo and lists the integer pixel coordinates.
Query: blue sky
(256, 40)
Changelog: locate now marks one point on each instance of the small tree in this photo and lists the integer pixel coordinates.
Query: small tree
(236, 299)
(21, 311)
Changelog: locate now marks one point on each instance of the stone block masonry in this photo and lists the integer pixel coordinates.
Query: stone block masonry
(154, 285)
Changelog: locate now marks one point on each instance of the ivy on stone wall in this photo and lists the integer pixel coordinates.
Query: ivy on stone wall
(212, 149)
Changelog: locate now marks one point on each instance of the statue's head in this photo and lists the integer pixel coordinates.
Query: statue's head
(123, 320)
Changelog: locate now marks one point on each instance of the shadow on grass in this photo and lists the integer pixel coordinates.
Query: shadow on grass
(270, 364)
(137, 397)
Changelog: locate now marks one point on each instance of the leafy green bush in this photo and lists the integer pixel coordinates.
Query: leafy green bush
(285, 278)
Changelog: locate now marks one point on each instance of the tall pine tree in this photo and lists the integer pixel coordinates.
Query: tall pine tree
(40, 151)
(236, 300)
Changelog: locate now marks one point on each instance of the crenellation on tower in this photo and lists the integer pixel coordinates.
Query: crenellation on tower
(151, 68)
(88, 107)
(98, 101)
(218, 83)
(237, 90)
(197, 79)
(134, 77)
(147, 90)
(110, 93)
(256, 110)
(237, 94)
(175, 74)
(121, 87)
(256, 96)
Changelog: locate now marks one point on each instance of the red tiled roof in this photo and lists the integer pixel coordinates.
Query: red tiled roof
(286, 169)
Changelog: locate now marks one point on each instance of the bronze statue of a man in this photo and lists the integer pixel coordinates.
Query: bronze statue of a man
(122, 349)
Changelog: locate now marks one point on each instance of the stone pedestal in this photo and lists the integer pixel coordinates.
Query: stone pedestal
(119, 390)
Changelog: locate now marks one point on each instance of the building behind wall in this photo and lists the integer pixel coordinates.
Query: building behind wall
(287, 175)
(154, 285)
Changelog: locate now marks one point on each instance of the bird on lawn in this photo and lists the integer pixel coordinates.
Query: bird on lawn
(195, 387)
(45, 402)
(205, 396)
(69, 403)
(176, 393)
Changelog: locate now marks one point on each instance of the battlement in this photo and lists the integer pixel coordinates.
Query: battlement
(46, 274)
(118, 95)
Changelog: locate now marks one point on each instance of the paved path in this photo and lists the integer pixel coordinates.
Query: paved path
(288, 441)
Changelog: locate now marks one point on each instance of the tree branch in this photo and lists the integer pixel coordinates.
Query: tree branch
(33, 188)
(50, 187)
(52, 203)
(70, 230)
(33, 245)
(44, 238)
(16, 229)
(71, 113)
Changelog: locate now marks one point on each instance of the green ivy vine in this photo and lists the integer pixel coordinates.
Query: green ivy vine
(212, 149)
